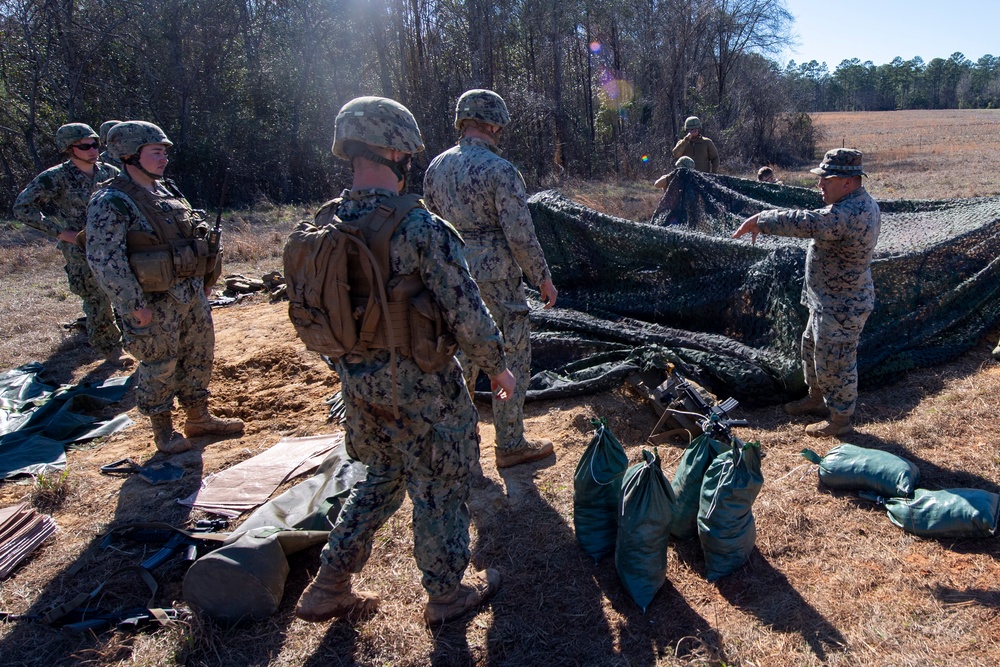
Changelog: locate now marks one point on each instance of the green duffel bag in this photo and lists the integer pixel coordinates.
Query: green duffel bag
(644, 529)
(852, 468)
(597, 487)
(954, 513)
(726, 525)
(687, 484)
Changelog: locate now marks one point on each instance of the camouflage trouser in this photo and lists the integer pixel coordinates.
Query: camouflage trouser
(175, 352)
(830, 358)
(102, 331)
(428, 453)
(509, 307)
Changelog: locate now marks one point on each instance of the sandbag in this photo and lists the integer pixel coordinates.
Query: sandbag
(644, 529)
(854, 468)
(244, 580)
(596, 491)
(955, 513)
(726, 525)
(687, 484)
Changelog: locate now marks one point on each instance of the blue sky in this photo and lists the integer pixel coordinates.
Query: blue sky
(880, 30)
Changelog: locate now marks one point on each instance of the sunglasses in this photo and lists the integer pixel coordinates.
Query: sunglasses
(87, 147)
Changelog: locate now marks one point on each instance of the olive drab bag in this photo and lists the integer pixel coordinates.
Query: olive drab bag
(946, 513)
(343, 298)
(687, 484)
(597, 487)
(644, 529)
(852, 468)
(726, 525)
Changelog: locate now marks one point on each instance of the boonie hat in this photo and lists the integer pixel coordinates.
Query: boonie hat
(840, 162)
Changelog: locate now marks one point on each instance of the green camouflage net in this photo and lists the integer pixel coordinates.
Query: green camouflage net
(678, 289)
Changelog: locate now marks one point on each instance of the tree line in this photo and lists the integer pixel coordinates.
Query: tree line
(596, 88)
(952, 83)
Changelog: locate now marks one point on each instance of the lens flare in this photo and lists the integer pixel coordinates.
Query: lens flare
(595, 47)
(645, 158)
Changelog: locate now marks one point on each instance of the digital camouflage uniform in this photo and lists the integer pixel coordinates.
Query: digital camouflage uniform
(838, 289)
(56, 201)
(177, 349)
(483, 195)
(431, 449)
(106, 156)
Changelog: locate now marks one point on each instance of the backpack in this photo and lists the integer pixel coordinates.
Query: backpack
(343, 299)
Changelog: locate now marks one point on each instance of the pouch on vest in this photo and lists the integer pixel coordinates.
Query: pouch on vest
(949, 513)
(153, 269)
(726, 526)
(687, 484)
(854, 468)
(431, 342)
(597, 485)
(644, 529)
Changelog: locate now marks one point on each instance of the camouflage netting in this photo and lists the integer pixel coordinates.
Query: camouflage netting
(678, 289)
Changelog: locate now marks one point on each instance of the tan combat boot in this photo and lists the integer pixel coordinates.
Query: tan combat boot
(474, 590)
(529, 451)
(812, 404)
(833, 426)
(202, 422)
(330, 596)
(166, 438)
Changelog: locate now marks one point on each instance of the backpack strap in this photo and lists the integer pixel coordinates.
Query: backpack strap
(378, 228)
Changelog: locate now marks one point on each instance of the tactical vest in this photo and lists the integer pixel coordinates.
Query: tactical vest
(177, 249)
(344, 299)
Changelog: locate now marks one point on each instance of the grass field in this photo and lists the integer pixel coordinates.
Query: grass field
(832, 581)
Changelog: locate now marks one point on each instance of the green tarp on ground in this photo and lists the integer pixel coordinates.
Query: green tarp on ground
(39, 421)
(727, 311)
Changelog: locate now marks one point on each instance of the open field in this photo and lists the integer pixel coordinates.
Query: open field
(916, 154)
(832, 581)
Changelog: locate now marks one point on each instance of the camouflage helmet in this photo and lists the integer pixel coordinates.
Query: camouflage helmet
(376, 121)
(127, 138)
(68, 134)
(685, 162)
(483, 105)
(692, 123)
(105, 128)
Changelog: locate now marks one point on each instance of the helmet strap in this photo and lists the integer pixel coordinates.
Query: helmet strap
(399, 168)
(134, 161)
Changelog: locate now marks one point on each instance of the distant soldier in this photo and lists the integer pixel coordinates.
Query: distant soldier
(483, 195)
(838, 288)
(148, 251)
(55, 203)
(683, 162)
(697, 147)
(105, 157)
(429, 448)
(766, 175)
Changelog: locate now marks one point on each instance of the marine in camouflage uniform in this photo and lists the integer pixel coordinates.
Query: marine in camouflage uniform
(169, 331)
(105, 155)
(699, 148)
(55, 203)
(483, 195)
(838, 287)
(429, 450)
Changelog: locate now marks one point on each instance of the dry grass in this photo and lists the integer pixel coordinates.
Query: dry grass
(916, 154)
(832, 581)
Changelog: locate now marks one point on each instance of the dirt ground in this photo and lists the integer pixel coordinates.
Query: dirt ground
(831, 582)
